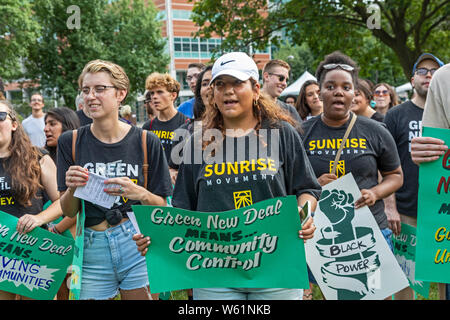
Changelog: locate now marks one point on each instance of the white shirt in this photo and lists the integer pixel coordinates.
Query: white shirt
(34, 127)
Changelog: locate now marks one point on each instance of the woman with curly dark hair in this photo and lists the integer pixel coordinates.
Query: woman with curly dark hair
(26, 173)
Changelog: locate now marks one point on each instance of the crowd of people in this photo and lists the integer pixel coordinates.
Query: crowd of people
(49, 154)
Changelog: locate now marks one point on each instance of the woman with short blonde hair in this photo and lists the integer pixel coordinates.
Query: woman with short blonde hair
(113, 149)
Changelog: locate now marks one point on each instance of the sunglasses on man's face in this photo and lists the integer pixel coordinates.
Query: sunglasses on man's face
(281, 77)
(3, 115)
(424, 71)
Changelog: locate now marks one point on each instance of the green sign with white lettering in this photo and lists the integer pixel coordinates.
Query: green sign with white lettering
(405, 253)
(252, 247)
(33, 264)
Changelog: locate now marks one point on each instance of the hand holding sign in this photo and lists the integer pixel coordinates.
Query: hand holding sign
(237, 248)
(142, 243)
(28, 222)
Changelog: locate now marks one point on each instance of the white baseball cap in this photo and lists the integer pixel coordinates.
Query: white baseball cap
(235, 64)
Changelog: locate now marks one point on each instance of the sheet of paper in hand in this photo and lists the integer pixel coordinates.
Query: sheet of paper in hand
(93, 191)
(349, 256)
(252, 247)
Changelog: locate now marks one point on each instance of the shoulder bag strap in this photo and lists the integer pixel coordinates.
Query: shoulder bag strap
(344, 140)
(74, 141)
(145, 165)
(151, 124)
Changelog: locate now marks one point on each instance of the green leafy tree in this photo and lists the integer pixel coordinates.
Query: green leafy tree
(124, 31)
(405, 27)
(299, 57)
(18, 33)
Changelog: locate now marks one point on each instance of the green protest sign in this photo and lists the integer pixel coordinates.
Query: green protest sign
(77, 263)
(252, 247)
(433, 215)
(33, 264)
(405, 253)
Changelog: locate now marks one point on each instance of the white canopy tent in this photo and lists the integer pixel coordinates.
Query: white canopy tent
(404, 87)
(294, 88)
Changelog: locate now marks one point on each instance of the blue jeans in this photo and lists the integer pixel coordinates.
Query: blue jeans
(247, 294)
(387, 233)
(111, 262)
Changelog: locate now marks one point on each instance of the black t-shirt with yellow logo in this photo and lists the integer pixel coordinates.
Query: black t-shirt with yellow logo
(369, 148)
(244, 170)
(165, 130)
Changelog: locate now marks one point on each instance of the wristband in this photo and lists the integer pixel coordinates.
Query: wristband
(56, 230)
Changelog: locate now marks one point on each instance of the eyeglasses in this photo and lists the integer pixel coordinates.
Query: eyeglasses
(380, 93)
(424, 71)
(331, 66)
(4, 115)
(36, 100)
(281, 77)
(98, 90)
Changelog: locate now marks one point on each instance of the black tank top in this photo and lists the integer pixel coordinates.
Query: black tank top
(8, 203)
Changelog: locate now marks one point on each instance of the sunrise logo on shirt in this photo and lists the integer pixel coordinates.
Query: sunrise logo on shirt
(340, 168)
(242, 199)
(162, 134)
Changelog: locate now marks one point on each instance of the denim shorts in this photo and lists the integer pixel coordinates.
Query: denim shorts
(111, 262)
(247, 294)
(387, 233)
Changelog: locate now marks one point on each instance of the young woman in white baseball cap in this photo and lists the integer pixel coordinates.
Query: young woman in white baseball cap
(239, 111)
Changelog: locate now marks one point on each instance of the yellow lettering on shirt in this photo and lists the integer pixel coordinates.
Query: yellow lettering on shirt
(261, 164)
(362, 143)
(335, 144)
(271, 165)
(241, 167)
(208, 170)
(233, 167)
(6, 201)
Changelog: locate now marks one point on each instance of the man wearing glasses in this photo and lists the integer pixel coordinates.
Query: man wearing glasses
(34, 124)
(275, 79)
(404, 122)
(187, 107)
